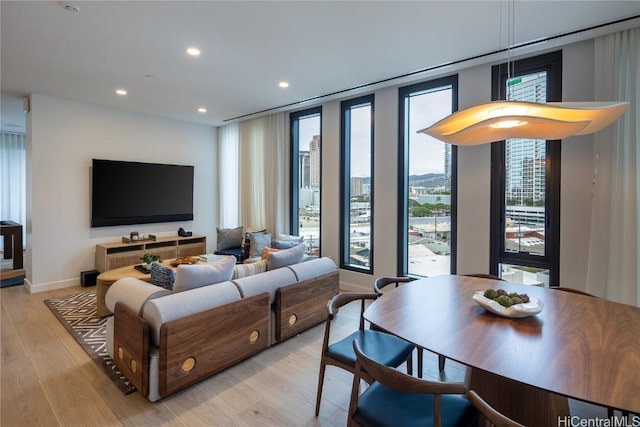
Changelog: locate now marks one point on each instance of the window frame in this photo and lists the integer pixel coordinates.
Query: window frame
(345, 182)
(294, 197)
(552, 64)
(403, 172)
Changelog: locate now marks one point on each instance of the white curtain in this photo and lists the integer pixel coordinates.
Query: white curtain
(13, 179)
(264, 170)
(613, 252)
(228, 176)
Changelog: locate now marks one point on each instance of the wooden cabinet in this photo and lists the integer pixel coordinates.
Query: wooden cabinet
(116, 255)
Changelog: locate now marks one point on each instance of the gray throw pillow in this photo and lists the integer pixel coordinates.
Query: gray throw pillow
(258, 242)
(285, 257)
(284, 244)
(198, 275)
(229, 238)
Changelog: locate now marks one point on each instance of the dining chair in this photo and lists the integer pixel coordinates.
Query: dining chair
(489, 415)
(394, 398)
(387, 349)
(384, 281)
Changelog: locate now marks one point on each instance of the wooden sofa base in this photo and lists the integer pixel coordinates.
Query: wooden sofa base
(193, 347)
(303, 305)
(197, 346)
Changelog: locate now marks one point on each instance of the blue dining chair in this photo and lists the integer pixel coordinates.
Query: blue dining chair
(387, 349)
(396, 399)
(382, 282)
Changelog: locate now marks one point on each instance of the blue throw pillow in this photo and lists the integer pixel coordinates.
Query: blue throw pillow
(162, 276)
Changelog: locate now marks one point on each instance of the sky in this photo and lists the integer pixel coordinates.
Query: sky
(426, 153)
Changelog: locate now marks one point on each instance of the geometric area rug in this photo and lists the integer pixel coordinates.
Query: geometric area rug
(77, 313)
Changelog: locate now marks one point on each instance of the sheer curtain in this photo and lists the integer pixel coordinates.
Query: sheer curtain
(13, 195)
(228, 176)
(613, 252)
(264, 170)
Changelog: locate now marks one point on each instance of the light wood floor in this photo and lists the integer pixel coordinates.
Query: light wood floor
(48, 380)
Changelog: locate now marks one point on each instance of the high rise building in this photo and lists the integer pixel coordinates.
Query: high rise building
(304, 171)
(525, 158)
(447, 167)
(314, 162)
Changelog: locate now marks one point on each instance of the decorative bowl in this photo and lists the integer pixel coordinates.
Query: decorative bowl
(531, 308)
(186, 260)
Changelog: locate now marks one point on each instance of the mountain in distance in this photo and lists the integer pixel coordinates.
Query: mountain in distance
(429, 180)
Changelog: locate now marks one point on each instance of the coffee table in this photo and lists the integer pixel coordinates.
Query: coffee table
(106, 279)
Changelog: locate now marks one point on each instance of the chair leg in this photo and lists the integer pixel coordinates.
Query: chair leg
(323, 366)
(410, 364)
(420, 354)
(441, 360)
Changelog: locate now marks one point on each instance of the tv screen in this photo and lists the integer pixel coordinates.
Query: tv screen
(139, 193)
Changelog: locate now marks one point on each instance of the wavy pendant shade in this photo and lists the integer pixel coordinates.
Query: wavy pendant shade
(501, 120)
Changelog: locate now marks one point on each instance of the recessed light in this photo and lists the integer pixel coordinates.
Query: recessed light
(283, 84)
(193, 51)
(202, 110)
(121, 92)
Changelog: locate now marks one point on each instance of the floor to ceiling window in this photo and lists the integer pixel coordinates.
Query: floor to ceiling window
(356, 207)
(306, 159)
(427, 181)
(525, 217)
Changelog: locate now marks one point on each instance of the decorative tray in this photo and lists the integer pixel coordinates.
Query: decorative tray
(142, 269)
(531, 308)
(184, 261)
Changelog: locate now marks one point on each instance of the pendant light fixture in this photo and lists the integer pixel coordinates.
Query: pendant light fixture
(500, 120)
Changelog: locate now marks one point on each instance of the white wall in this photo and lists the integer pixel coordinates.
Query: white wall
(63, 137)
(474, 180)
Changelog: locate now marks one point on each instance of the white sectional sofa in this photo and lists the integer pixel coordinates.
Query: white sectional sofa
(164, 341)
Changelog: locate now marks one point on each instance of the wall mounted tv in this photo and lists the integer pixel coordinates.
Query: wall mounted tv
(140, 193)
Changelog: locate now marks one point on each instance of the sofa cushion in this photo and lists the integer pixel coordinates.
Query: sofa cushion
(285, 257)
(229, 238)
(162, 276)
(134, 293)
(198, 275)
(268, 281)
(249, 269)
(161, 310)
(312, 268)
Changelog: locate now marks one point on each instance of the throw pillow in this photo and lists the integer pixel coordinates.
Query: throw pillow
(285, 244)
(285, 257)
(229, 238)
(289, 237)
(198, 275)
(259, 241)
(267, 250)
(162, 276)
(246, 242)
(244, 270)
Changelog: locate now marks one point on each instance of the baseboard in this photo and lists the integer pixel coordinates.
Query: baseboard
(59, 284)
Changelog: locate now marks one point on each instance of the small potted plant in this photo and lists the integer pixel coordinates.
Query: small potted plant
(148, 259)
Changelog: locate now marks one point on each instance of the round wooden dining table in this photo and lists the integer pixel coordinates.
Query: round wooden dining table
(578, 346)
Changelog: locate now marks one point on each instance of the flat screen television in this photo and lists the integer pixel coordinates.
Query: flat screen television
(125, 193)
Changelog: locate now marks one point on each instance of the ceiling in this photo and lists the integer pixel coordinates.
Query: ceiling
(323, 49)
